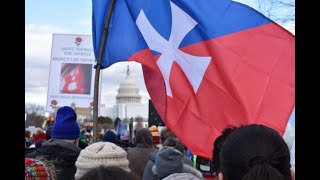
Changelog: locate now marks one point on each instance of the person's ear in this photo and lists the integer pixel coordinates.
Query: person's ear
(292, 175)
(76, 141)
(220, 176)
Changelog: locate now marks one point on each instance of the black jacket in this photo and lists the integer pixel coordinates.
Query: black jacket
(62, 154)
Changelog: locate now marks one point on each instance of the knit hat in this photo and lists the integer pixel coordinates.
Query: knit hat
(35, 169)
(154, 130)
(168, 161)
(65, 125)
(101, 153)
(110, 136)
(155, 134)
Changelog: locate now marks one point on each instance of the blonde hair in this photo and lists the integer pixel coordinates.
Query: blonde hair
(39, 131)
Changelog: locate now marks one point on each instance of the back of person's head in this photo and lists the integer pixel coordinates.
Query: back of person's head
(109, 136)
(116, 123)
(39, 131)
(255, 152)
(217, 147)
(143, 138)
(108, 173)
(48, 133)
(66, 125)
(176, 143)
(168, 161)
(27, 133)
(83, 131)
(37, 169)
(39, 135)
(165, 133)
(101, 153)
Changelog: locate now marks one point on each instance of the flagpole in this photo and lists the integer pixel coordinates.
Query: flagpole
(98, 67)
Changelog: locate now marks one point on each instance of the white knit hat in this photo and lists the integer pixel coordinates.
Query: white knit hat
(101, 153)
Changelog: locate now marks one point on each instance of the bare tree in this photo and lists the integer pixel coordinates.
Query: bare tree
(31, 108)
(34, 115)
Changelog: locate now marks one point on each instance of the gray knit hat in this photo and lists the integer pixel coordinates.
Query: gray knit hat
(168, 161)
(101, 153)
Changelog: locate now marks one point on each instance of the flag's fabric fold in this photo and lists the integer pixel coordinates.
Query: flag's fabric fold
(206, 64)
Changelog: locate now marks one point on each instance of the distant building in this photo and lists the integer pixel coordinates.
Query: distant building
(128, 101)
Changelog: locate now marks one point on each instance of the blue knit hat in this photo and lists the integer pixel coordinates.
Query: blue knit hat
(65, 125)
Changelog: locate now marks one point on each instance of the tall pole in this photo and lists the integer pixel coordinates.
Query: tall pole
(98, 67)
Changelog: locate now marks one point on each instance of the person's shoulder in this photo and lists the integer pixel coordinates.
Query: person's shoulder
(31, 153)
(152, 155)
(181, 176)
(188, 161)
(63, 146)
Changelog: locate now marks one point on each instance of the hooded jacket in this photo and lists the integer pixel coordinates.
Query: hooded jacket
(188, 173)
(149, 174)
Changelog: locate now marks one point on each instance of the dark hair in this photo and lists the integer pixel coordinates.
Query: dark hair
(83, 131)
(48, 133)
(166, 133)
(255, 152)
(174, 142)
(27, 133)
(143, 138)
(110, 173)
(217, 147)
(117, 121)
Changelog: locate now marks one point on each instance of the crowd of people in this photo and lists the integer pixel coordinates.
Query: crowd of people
(64, 152)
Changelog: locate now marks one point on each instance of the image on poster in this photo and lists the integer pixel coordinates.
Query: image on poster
(75, 78)
(71, 74)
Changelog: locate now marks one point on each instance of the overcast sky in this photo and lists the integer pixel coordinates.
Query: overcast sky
(44, 17)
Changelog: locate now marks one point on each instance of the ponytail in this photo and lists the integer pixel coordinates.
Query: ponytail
(255, 152)
(260, 168)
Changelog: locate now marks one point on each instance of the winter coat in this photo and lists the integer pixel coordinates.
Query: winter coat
(138, 158)
(63, 155)
(148, 174)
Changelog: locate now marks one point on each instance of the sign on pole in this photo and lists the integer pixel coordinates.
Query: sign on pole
(71, 77)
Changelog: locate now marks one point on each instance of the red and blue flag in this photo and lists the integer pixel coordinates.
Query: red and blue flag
(207, 64)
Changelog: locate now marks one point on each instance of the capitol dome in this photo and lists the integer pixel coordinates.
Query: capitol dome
(128, 93)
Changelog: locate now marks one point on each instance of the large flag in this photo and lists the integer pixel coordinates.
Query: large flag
(207, 64)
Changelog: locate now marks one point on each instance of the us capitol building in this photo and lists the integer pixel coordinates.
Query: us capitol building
(128, 101)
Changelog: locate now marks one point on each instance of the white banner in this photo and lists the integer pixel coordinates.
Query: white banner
(71, 78)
